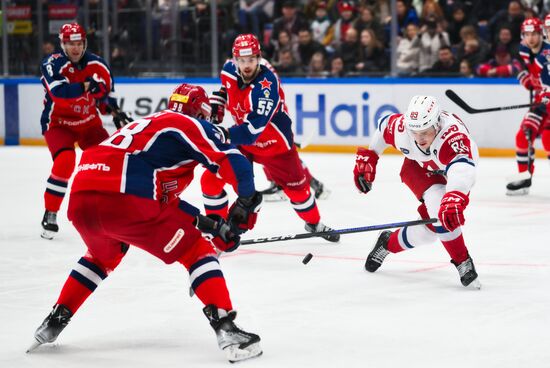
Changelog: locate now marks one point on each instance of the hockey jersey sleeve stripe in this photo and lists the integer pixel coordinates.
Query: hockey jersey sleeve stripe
(465, 160)
(188, 208)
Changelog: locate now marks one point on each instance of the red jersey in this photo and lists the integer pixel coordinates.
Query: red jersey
(65, 102)
(155, 157)
(263, 126)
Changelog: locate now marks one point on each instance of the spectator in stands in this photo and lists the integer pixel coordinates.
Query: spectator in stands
(291, 21)
(48, 48)
(502, 65)
(407, 52)
(504, 37)
(284, 42)
(337, 33)
(317, 66)
(430, 40)
(431, 9)
(472, 47)
(321, 24)
(287, 65)
(457, 21)
(253, 14)
(368, 20)
(307, 46)
(445, 66)
(337, 67)
(406, 14)
(372, 57)
(511, 16)
(349, 49)
(119, 64)
(466, 69)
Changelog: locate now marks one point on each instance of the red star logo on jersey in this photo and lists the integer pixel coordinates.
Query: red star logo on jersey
(266, 84)
(239, 112)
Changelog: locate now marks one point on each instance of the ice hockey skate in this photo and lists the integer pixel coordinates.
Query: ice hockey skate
(274, 193)
(52, 326)
(468, 274)
(518, 187)
(379, 252)
(49, 225)
(321, 192)
(237, 344)
(320, 227)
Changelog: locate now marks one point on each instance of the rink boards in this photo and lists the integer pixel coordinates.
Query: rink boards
(331, 115)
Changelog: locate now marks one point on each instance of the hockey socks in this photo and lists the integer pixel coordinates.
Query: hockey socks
(216, 204)
(82, 281)
(208, 283)
(56, 185)
(456, 248)
(304, 204)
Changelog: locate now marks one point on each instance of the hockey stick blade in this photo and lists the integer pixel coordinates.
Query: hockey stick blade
(470, 110)
(339, 231)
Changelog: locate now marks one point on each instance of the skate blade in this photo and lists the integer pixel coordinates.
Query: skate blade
(275, 197)
(518, 192)
(234, 354)
(48, 234)
(475, 285)
(33, 346)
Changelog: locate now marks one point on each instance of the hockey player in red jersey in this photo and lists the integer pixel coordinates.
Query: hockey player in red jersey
(126, 191)
(534, 52)
(439, 168)
(263, 132)
(78, 87)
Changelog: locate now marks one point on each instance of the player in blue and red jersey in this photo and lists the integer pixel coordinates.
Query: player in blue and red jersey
(126, 191)
(534, 52)
(263, 132)
(78, 87)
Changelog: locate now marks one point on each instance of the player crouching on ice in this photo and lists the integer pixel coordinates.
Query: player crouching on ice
(439, 168)
(136, 201)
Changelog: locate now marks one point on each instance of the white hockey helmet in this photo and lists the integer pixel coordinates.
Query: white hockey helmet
(422, 113)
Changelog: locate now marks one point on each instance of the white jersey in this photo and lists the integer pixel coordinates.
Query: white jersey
(453, 153)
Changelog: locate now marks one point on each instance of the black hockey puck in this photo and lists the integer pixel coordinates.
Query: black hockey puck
(307, 258)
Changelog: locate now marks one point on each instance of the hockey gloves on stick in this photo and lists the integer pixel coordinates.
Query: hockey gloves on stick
(525, 79)
(365, 169)
(451, 211)
(219, 231)
(218, 99)
(244, 212)
(97, 87)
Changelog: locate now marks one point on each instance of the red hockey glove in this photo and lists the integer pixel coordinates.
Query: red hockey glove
(365, 169)
(451, 211)
(244, 212)
(97, 87)
(217, 102)
(219, 232)
(525, 79)
(531, 125)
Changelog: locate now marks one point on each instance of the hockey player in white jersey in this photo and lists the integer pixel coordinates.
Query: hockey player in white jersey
(439, 168)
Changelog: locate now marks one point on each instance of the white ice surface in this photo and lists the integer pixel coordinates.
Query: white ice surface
(413, 312)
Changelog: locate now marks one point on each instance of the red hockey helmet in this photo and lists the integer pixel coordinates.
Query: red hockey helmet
(547, 20)
(531, 25)
(190, 100)
(72, 32)
(246, 45)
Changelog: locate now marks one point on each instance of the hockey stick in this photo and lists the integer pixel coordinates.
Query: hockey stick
(460, 102)
(339, 231)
